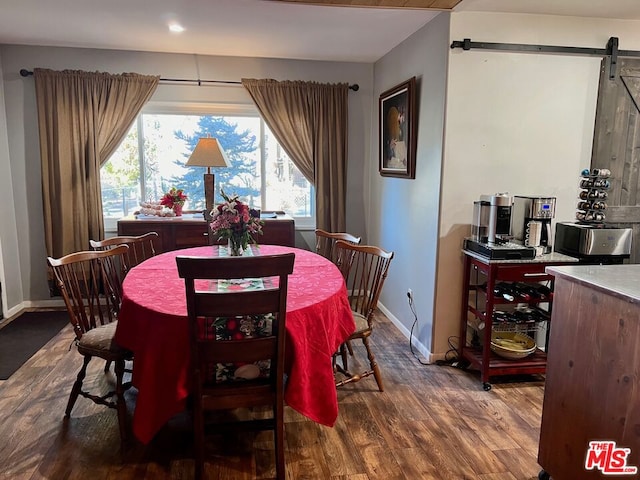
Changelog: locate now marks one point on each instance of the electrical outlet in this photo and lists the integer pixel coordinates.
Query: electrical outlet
(410, 294)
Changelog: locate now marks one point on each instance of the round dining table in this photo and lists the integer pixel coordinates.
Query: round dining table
(153, 324)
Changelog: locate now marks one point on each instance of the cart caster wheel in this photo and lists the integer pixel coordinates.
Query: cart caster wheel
(543, 475)
(486, 386)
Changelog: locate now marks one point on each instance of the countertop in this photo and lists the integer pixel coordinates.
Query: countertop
(553, 257)
(622, 281)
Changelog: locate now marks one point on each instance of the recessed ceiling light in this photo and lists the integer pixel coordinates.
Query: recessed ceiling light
(176, 28)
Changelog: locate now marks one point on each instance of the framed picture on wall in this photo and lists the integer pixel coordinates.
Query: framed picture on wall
(397, 112)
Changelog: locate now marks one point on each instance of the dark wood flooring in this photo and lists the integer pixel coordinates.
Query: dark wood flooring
(432, 422)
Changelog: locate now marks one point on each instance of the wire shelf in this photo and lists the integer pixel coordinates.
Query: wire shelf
(519, 327)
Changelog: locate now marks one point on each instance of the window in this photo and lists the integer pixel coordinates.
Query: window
(151, 159)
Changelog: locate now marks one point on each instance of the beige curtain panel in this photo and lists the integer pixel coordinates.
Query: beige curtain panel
(309, 120)
(82, 117)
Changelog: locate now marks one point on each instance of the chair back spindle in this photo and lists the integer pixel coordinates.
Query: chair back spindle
(91, 286)
(236, 323)
(364, 268)
(326, 241)
(140, 247)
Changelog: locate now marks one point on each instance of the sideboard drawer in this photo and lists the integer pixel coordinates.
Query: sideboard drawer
(525, 272)
(190, 235)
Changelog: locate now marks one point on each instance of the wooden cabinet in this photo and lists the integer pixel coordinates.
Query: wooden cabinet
(592, 386)
(479, 307)
(191, 230)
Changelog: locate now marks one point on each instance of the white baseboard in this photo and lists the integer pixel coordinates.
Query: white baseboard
(29, 304)
(54, 303)
(13, 311)
(424, 351)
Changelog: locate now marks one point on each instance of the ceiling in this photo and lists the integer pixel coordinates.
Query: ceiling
(255, 28)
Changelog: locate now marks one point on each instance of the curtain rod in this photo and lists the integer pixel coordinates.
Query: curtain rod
(355, 87)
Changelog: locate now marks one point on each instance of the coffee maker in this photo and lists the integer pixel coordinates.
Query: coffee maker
(492, 218)
(491, 229)
(531, 221)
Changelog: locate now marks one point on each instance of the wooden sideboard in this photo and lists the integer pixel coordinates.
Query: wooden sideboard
(190, 230)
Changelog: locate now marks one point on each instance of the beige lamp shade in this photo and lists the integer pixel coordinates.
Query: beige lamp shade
(208, 153)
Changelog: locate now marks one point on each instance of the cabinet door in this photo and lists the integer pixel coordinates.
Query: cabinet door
(190, 235)
(592, 391)
(277, 232)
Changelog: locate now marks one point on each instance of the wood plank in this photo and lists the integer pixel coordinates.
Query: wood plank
(340, 451)
(485, 418)
(380, 464)
(432, 422)
(497, 476)
(518, 465)
(413, 4)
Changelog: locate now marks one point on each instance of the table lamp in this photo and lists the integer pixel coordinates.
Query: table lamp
(208, 153)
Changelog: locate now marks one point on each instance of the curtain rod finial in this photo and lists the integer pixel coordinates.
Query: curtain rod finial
(25, 73)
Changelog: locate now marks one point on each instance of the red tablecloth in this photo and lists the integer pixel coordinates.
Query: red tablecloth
(153, 324)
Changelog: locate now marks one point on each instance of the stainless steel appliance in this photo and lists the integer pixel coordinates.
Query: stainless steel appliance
(491, 229)
(492, 218)
(597, 243)
(531, 221)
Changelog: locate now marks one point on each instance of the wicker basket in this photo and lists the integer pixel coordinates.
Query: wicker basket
(512, 345)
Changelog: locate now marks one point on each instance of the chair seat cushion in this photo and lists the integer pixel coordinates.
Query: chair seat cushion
(361, 323)
(99, 342)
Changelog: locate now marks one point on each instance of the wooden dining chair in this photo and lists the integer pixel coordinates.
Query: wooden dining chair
(326, 241)
(90, 284)
(140, 247)
(237, 341)
(364, 268)
(325, 246)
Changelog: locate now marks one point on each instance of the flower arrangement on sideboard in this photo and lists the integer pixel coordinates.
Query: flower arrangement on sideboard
(174, 199)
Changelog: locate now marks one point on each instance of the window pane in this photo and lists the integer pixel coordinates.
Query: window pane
(287, 189)
(262, 175)
(120, 179)
(169, 141)
(165, 153)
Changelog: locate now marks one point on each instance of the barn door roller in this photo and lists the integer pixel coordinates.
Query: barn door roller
(611, 50)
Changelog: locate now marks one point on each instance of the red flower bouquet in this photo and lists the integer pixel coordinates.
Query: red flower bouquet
(175, 196)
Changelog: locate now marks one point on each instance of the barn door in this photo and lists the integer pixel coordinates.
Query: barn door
(616, 144)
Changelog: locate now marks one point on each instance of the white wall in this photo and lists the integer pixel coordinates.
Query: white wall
(11, 290)
(516, 122)
(402, 214)
(27, 264)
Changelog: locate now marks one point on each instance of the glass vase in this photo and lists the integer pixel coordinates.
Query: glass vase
(177, 209)
(234, 248)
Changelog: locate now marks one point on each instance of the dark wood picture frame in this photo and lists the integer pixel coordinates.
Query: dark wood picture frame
(397, 123)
